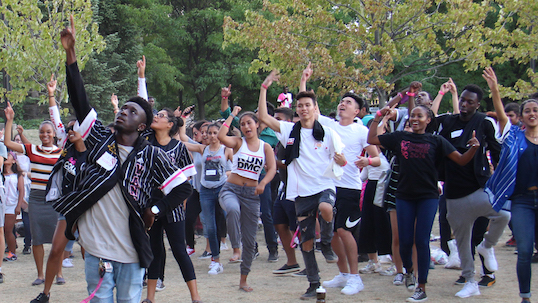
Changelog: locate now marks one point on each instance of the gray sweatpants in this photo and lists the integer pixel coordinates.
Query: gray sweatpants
(242, 209)
(461, 214)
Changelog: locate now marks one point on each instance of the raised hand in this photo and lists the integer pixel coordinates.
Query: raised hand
(453, 88)
(178, 112)
(114, 101)
(273, 76)
(490, 77)
(236, 110)
(20, 129)
(68, 35)
(473, 142)
(141, 67)
(51, 85)
(8, 111)
(415, 87)
(188, 111)
(226, 91)
(307, 72)
(445, 87)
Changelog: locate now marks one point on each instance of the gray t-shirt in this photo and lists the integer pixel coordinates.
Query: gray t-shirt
(104, 228)
(214, 165)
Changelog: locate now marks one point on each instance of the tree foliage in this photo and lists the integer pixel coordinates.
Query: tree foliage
(355, 45)
(31, 49)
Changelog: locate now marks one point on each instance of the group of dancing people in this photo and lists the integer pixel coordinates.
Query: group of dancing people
(117, 188)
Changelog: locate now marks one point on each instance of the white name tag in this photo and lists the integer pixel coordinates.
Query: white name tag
(456, 133)
(211, 172)
(107, 161)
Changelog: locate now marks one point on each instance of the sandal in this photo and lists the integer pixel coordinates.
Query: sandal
(60, 280)
(235, 259)
(38, 282)
(146, 301)
(246, 288)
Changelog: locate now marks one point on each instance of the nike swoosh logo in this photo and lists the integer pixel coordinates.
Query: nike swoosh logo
(351, 224)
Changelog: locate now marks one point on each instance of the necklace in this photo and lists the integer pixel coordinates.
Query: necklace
(534, 138)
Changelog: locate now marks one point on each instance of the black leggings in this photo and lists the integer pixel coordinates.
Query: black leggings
(175, 231)
(192, 211)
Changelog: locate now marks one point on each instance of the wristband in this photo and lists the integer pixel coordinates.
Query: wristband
(224, 97)
(441, 93)
(264, 86)
(410, 94)
(183, 116)
(224, 124)
(369, 161)
(51, 96)
(379, 113)
(400, 95)
(233, 116)
(345, 163)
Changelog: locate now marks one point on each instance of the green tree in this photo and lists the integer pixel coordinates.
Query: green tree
(355, 45)
(31, 49)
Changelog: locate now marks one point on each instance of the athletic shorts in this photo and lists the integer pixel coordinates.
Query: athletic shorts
(308, 207)
(348, 212)
(284, 212)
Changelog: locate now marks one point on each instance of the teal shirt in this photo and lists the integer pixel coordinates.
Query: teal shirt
(267, 135)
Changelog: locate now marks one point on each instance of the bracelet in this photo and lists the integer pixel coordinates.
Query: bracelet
(183, 116)
(345, 163)
(379, 113)
(410, 94)
(224, 124)
(375, 121)
(233, 116)
(264, 86)
(224, 97)
(369, 161)
(51, 96)
(441, 93)
(400, 95)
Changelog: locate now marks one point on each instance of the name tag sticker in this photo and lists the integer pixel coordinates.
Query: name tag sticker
(107, 161)
(456, 133)
(210, 172)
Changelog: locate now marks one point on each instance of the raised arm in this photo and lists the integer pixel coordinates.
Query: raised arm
(372, 132)
(491, 78)
(445, 87)
(142, 90)
(75, 85)
(225, 111)
(264, 117)
(469, 154)
(54, 112)
(455, 99)
(10, 115)
(406, 94)
(231, 142)
(114, 102)
(24, 140)
(307, 73)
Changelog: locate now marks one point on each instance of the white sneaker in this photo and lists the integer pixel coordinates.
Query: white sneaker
(215, 268)
(385, 259)
(371, 268)
(469, 289)
(160, 285)
(489, 256)
(224, 246)
(190, 251)
(391, 271)
(353, 285)
(339, 280)
(67, 263)
(398, 279)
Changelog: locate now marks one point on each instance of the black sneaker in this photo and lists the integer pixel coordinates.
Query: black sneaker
(363, 258)
(301, 273)
(273, 256)
(286, 269)
(1, 277)
(41, 298)
(460, 281)
(410, 281)
(418, 296)
(310, 292)
(534, 258)
(328, 253)
(27, 250)
(486, 281)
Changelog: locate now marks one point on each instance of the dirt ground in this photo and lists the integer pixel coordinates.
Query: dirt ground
(267, 286)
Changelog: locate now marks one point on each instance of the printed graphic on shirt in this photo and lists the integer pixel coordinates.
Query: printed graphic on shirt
(412, 150)
(213, 170)
(134, 187)
(70, 166)
(250, 163)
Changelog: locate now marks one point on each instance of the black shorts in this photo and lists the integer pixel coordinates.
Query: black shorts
(348, 212)
(284, 212)
(308, 207)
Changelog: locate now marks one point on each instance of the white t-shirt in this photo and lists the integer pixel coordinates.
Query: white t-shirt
(104, 228)
(354, 137)
(305, 173)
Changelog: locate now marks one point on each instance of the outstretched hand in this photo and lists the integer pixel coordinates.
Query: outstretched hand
(114, 101)
(473, 142)
(8, 111)
(141, 67)
(273, 76)
(307, 72)
(68, 35)
(226, 91)
(51, 85)
(490, 77)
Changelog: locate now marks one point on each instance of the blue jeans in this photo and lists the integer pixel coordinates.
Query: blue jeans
(266, 206)
(209, 197)
(127, 278)
(524, 227)
(423, 212)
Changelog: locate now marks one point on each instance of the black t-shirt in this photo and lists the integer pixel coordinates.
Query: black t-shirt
(461, 181)
(418, 156)
(527, 174)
